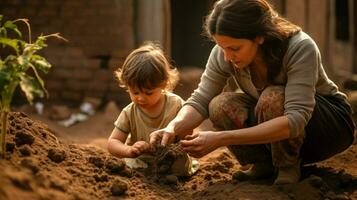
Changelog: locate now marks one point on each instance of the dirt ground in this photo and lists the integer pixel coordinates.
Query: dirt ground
(48, 161)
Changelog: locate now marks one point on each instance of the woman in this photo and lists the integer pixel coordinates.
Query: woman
(288, 113)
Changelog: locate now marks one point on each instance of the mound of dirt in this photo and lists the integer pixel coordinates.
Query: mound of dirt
(38, 165)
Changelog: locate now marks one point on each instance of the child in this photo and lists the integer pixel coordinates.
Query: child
(148, 78)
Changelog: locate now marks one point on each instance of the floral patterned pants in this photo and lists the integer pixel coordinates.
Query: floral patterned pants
(231, 110)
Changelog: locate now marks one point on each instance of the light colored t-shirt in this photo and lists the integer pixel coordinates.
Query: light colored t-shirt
(138, 125)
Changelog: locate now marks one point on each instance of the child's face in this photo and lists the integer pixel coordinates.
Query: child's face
(145, 98)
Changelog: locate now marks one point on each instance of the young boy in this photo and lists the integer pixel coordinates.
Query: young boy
(149, 78)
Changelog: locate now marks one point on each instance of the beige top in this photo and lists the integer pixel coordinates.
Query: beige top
(135, 122)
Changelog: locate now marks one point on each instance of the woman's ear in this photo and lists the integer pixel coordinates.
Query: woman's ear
(259, 40)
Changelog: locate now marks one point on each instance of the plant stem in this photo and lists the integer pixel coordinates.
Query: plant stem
(3, 133)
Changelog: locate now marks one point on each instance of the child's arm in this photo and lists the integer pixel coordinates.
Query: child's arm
(117, 147)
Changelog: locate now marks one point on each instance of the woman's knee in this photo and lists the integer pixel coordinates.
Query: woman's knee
(230, 110)
(216, 106)
(271, 101)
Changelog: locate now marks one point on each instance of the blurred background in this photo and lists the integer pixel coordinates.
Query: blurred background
(101, 33)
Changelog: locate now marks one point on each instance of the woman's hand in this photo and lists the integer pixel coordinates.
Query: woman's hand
(201, 143)
(164, 136)
(137, 149)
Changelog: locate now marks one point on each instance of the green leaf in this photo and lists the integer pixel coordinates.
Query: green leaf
(31, 49)
(39, 79)
(23, 62)
(41, 63)
(41, 41)
(10, 42)
(10, 25)
(9, 60)
(4, 79)
(30, 87)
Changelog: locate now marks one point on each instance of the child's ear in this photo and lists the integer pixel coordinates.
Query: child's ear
(164, 85)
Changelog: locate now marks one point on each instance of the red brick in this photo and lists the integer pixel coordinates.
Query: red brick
(98, 86)
(47, 13)
(53, 84)
(62, 73)
(96, 94)
(70, 95)
(93, 64)
(82, 74)
(74, 85)
(53, 95)
(115, 63)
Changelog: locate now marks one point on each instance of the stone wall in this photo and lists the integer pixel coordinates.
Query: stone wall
(100, 34)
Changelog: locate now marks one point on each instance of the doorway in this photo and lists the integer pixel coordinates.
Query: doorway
(188, 46)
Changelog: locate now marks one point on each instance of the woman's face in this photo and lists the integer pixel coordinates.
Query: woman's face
(240, 52)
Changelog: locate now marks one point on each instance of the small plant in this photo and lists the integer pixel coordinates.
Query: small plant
(15, 68)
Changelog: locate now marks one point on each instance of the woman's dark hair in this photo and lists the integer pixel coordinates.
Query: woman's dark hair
(248, 19)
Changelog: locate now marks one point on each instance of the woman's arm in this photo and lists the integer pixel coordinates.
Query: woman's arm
(206, 141)
(186, 120)
(270, 131)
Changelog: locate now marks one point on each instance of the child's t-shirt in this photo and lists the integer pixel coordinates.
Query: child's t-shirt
(138, 125)
(135, 122)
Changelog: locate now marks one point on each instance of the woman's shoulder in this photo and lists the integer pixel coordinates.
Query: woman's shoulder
(300, 45)
(301, 39)
(216, 53)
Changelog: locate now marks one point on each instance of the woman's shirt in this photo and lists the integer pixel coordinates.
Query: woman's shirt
(302, 75)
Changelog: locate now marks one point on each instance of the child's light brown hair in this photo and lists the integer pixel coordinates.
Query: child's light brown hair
(147, 68)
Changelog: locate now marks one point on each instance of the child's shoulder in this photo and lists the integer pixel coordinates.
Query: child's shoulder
(173, 97)
(129, 107)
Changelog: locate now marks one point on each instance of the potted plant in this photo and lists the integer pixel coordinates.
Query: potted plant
(17, 69)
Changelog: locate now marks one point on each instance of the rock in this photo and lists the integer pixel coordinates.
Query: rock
(10, 147)
(118, 188)
(28, 163)
(22, 138)
(56, 155)
(171, 179)
(25, 150)
(101, 178)
(97, 161)
(58, 112)
(315, 181)
(114, 165)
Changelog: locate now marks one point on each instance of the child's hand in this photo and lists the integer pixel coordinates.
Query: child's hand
(138, 148)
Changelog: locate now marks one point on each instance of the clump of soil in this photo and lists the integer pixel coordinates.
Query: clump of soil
(165, 157)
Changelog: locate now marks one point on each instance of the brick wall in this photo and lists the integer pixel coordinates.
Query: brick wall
(100, 34)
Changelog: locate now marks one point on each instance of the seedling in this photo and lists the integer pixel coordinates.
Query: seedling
(17, 69)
